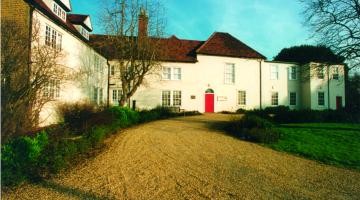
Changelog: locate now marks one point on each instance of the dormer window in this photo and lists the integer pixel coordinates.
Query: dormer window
(59, 11)
(84, 32)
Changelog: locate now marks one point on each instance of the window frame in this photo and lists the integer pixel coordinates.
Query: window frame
(59, 11)
(176, 98)
(291, 100)
(174, 74)
(241, 100)
(293, 73)
(321, 103)
(53, 38)
(167, 73)
(335, 73)
(101, 95)
(320, 72)
(166, 98)
(52, 89)
(112, 70)
(275, 99)
(274, 72)
(229, 73)
(95, 95)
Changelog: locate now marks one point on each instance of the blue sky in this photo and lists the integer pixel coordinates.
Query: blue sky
(265, 25)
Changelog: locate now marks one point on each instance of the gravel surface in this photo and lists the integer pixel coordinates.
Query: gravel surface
(186, 158)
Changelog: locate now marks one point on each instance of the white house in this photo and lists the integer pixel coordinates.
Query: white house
(224, 74)
(68, 33)
(219, 74)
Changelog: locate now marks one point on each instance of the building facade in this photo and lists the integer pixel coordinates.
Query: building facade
(219, 74)
(86, 69)
(224, 74)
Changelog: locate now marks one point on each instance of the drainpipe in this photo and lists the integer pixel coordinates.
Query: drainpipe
(328, 85)
(108, 85)
(31, 12)
(260, 84)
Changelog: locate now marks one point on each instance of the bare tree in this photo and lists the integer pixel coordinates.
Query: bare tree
(336, 23)
(30, 75)
(133, 29)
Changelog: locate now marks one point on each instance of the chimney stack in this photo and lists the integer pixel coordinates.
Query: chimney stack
(143, 23)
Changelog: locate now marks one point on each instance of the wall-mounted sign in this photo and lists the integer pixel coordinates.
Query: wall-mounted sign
(222, 98)
(192, 97)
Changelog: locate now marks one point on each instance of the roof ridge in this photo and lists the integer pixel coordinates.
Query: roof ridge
(77, 14)
(246, 45)
(211, 36)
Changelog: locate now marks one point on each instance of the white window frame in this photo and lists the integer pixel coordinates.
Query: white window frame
(84, 32)
(290, 98)
(112, 70)
(176, 98)
(320, 72)
(321, 103)
(241, 97)
(293, 73)
(101, 93)
(274, 72)
(176, 73)
(229, 73)
(166, 98)
(60, 12)
(95, 95)
(97, 65)
(166, 73)
(335, 73)
(53, 38)
(274, 98)
(116, 95)
(52, 89)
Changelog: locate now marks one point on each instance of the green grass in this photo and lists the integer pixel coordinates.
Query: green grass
(331, 143)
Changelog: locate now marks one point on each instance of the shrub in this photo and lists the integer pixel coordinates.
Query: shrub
(164, 112)
(149, 115)
(191, 113)
(276, 109)
(240, 111)
(266, 136)
(97, 135)
(226, 112)
(253, 121)
(77, 115)
(123, 117)
(254, 128)
(20, 158)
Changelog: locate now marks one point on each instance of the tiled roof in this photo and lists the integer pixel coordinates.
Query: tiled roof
(40, 5)
(173, 49)
(78, 19)
(224, 44)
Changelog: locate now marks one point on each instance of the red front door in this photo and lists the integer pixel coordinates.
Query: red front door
(209, 103)
(338, 103)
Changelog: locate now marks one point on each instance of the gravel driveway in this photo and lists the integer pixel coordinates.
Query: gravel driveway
(186, 158)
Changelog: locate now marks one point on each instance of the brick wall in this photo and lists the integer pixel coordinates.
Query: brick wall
(17, 10)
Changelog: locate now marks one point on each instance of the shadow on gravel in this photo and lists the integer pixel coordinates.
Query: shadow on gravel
(72, 191)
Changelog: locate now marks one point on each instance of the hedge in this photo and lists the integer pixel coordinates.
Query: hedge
(83, 128)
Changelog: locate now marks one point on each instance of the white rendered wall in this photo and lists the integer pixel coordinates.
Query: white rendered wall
(197, 77)
(282, 85)
(336, 87)
(79, 61)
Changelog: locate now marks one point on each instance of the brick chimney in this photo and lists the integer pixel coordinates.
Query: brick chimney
(143, 23)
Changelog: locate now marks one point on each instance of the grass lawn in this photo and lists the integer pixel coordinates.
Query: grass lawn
(331, 143)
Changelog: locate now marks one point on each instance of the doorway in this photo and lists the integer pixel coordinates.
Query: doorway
(209, 101)
(338, 102)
